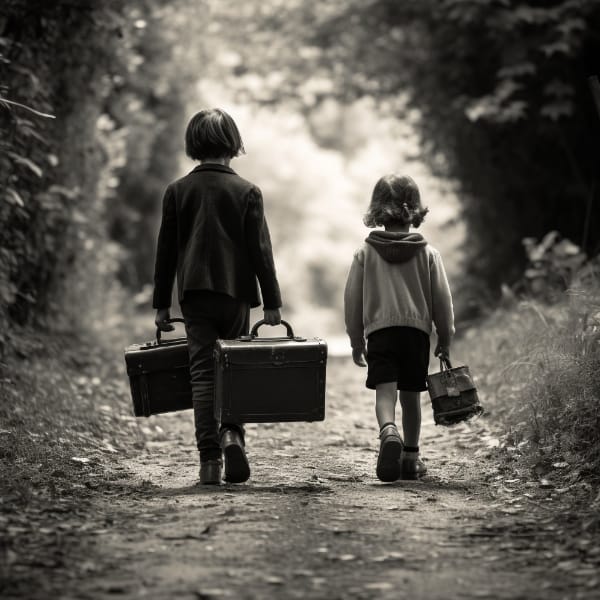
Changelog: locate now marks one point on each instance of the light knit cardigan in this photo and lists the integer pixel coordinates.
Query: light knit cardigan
(383, 294)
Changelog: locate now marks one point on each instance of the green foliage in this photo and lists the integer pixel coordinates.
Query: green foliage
(497, 88)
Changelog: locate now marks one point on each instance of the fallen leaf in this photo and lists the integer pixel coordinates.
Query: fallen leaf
(389, 556)
(379, 585)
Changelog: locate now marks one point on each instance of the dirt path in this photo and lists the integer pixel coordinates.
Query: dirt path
(314, 522)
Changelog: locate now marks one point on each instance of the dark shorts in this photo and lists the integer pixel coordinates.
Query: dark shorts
(398, 354)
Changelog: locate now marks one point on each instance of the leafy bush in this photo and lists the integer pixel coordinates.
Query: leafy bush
(60, 176)
(539, 367)
(553, 263)
(563, 389)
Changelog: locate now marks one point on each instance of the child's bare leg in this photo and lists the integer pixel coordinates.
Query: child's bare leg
(385, 403)
(411, 417)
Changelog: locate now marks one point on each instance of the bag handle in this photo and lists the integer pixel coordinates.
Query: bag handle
(445, 364)
(449, 378)
(173, 320)
(288, 327)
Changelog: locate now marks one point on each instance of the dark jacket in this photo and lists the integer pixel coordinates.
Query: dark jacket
(215, 237)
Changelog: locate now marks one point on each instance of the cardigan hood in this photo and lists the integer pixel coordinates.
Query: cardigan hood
(396, 246)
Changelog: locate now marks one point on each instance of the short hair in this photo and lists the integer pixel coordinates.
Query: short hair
(395, 199)
(212, 133)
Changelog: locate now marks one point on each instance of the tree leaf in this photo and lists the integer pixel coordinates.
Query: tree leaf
(559, 47)
(14, 198)
(558, 89)
(8, 292)
(26, 162)
(556, 110)
(517, 70)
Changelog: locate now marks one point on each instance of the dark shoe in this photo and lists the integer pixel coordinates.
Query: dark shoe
(237, 469)
(411, 466)
(210, 472)
(390, 450)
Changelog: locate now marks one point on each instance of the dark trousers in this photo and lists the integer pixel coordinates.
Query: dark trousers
(209, 316)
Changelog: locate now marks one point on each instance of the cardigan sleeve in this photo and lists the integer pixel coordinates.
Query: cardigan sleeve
(260, 250)
(443, 312)
(166, 253)
(353, 303)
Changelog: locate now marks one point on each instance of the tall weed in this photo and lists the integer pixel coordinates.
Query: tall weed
(538, 369)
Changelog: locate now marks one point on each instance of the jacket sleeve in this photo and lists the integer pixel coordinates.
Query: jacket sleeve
(260, 250)
(443, 312)
(353, 303)
(166, 253)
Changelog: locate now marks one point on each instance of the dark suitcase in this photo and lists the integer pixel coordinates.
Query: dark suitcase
(159, 375)
(262, 380)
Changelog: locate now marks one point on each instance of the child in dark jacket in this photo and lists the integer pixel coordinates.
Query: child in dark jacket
(396, 289)
(215, 238)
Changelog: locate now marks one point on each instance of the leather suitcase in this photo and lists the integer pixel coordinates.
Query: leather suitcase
(159, 375)
(262, 380)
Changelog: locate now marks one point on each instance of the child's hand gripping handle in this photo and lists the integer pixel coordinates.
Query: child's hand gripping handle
(162, 326)
(442, 351)
(163, 320)
(272, 316)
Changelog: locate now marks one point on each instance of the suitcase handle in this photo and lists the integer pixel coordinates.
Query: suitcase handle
(173, 320)
(288, 327)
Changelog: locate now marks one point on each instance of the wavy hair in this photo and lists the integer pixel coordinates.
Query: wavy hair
(395, 200)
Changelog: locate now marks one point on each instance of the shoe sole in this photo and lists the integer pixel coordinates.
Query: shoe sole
(210, 482)
(237, 469)
(388, 467)
(410, 476)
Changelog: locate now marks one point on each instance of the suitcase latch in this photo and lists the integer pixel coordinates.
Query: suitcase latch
(277, 357)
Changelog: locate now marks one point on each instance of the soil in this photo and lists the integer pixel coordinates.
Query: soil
(312, 522)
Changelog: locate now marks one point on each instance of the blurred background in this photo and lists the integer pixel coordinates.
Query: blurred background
(486, 104)
(316, 194)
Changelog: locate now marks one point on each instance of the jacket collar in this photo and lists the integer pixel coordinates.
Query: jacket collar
(213, 167)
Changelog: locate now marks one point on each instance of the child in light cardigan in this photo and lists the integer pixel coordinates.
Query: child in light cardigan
(396, 289)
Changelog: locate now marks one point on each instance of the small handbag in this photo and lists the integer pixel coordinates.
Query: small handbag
(453, 394)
